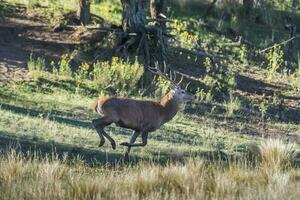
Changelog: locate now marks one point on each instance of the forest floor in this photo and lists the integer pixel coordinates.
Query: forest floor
(23, 34)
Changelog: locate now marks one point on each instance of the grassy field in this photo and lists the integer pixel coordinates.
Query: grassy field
(49, 151)
(51, 178)
(60, 116)
(238, 140)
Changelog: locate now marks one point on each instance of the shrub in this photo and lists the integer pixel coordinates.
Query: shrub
(64, 66)
(204, 97)
(233, 105)
(31, 4)
(162, 86)
(294, 79)
(216, 80)
(263, 107)
(36, 66)
(82, 75)
(276, 155)
(182, 30)
(118, 76)
(244, 55)
(275, 59)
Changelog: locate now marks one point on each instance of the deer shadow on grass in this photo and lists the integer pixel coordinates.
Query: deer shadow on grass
(68, 118)
(30, 147)
(52, 116)
(60, 117)
(91, 157)
(96, 157)
(43, 114)
(45, 149)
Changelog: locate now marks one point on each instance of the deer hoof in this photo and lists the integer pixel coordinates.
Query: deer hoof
(101, 143)
(124, 144)
(113, 145)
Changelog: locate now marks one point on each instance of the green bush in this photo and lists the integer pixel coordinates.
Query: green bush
(118, 76)
(82, 74)
(204, 97)
(162, 86)
(64, 66)
(275, 59)
(233, 105)
(36, 66)
(294, 80)
(263, 107)
(31, 4)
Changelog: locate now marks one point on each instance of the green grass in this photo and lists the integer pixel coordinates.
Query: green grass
(213, 148)
(32, 176)
(54, 114)
(64, 117)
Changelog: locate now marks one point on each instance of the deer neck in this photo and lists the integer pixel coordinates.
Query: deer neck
(170, 106)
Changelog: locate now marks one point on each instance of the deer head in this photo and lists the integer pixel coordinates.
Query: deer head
(181, 95)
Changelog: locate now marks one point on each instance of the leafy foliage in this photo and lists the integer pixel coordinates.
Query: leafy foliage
(36, 66)
(275, 59)
(118, 76)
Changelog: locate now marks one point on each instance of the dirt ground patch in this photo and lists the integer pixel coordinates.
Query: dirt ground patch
(21, 37)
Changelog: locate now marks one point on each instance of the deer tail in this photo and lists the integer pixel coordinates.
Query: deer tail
(96, 105)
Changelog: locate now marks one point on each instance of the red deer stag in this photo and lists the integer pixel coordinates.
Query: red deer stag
(139, 115)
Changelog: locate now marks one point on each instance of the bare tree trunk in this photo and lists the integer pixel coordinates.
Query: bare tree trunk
(295, 4)
(143, 37)
(83, 11)
(157, 7)
(210, 8)
(134, 15)
(158, 11)
(248, 5)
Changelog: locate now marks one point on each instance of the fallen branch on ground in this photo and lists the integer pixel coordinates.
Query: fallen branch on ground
(276, 45)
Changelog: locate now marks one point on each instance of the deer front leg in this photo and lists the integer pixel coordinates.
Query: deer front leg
(144, 141)
(132, 140)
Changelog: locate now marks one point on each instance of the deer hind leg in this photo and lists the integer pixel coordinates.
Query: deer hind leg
(111, 140)
(99, 125)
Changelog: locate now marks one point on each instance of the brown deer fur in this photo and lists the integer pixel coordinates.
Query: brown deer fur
(139, 115)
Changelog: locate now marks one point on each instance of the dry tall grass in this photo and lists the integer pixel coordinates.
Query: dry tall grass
(50, 178)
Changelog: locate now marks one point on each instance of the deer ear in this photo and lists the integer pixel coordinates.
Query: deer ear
(172, 91)
(174, 87)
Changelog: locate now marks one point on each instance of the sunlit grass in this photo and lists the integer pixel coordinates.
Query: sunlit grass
(65, 117)
(50, 114)
(277, 155)
(36, 177)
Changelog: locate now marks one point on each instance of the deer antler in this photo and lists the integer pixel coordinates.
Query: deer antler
(181, 79)
(157, 71)
(187, 85)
